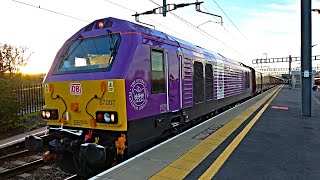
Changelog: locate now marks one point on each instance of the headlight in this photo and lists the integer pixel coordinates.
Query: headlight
(106, 117)
(110, 117)
(48, 114)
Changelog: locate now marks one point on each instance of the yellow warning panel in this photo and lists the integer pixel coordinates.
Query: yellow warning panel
(171, 173)
(205, 147)
(184, 164)
(192, 157)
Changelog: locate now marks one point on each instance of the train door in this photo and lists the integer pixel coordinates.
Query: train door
(173, 79)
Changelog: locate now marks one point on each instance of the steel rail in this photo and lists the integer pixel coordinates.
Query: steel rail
(9, 149)
(15, 155)
(73, 177)
(21, 169)
(16, 146)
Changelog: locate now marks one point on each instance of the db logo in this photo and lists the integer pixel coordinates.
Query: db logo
(75, 89)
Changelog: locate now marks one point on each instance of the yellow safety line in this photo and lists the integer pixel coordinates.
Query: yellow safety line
(317, 101)
(182, 166)
(217, 164)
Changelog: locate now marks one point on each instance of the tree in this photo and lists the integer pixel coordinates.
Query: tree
(12, 58)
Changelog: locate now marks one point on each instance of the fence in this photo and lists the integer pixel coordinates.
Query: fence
(31, 98)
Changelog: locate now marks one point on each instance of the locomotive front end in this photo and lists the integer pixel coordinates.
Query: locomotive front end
(85, 105)
(87, 124)
(94, 104)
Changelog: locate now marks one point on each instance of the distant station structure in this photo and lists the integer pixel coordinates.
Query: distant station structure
(285, 72)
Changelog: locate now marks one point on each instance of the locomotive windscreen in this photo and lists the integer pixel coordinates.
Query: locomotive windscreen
(89, 54)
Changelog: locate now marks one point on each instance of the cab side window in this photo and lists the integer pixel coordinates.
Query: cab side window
(157, 72)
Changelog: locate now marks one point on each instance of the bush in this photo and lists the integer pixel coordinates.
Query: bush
(33, 121)
(9, 106)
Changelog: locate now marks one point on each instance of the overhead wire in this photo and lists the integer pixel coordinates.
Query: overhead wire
(49, 10)
(200, 30)
(214, 17)
(230, 19)
(224, 27)
(231, 22)
(176, 16)
(119, 5)
(73, 17)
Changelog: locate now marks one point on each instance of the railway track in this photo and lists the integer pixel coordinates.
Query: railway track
(15, 155)
(21, 169)
(19, 162)
(73, 177)
(30, 168)
(15, 161)
(13, 147)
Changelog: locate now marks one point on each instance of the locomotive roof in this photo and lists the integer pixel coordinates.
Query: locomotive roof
(123, 25)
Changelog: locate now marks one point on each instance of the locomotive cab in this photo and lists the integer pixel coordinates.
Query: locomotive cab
(82, 89)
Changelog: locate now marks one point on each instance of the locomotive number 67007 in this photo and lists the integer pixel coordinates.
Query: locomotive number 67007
(107, 102)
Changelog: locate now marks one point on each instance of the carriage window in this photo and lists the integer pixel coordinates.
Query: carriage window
(157, 72)
(209, 82)
(198, 82)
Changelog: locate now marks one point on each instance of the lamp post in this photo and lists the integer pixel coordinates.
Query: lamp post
(306, 63)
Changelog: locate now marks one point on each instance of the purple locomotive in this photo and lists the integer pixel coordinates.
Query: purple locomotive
(115, 87)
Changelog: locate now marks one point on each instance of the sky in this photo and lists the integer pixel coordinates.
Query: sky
(251, 29)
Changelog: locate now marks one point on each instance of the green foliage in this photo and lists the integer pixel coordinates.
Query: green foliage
(19, 79)
(12, 58)
(33, 121)
(34, 115)
(35, 125)
(9, 106)
(28, 79)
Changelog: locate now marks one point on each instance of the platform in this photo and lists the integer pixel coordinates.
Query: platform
(20, 137)
(263, 138)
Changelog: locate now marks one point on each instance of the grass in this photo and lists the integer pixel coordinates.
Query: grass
(33, 121)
